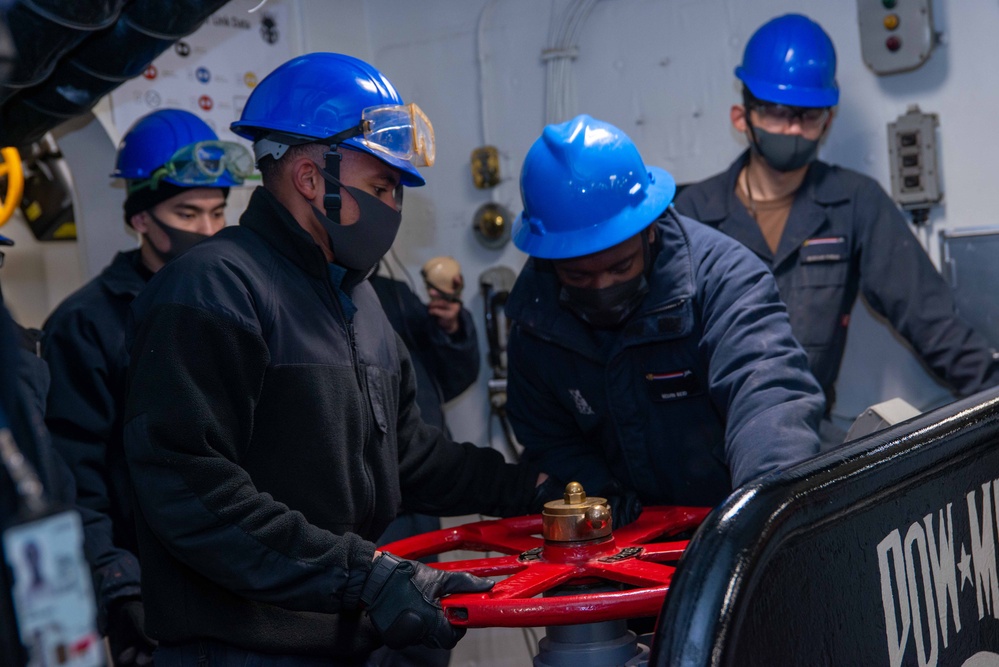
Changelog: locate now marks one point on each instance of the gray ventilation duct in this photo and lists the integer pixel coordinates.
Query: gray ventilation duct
(70, 59)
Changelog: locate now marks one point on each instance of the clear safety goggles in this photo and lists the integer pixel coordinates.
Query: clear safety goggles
(204, 162)
(780, 116)
(401, 131)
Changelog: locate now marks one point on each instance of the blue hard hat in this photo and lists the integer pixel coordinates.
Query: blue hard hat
(791, 60)
(154, 139)
(585, 189)
(318, 95)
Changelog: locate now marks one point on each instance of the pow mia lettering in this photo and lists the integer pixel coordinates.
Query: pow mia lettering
(936, 575)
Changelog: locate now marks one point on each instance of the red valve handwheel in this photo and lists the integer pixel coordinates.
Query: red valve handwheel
(533, 566)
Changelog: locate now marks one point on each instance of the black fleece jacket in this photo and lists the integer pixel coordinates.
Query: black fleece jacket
(270, 437)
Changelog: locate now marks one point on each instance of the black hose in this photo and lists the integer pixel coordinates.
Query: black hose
(100, 63)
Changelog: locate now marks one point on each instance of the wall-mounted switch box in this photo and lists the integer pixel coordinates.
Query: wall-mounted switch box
(912, 149)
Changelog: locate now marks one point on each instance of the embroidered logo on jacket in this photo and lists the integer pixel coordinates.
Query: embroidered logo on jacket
(582, 407)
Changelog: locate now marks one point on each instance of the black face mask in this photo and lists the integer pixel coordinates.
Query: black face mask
(180, 240)
(607, 307)
(784, 152)
(361, 246)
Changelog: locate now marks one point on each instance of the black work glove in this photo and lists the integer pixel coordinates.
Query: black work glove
(552, 488)
(624, 503)
(401, 597)
(625, 508)
(130, 646)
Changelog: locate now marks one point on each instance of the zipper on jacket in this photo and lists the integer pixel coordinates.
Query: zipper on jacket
(365, 392)
(352, 341)
(666, 307)
(348, 328)
(362, 386)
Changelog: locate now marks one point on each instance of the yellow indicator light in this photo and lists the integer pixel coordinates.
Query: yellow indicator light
(891, 22)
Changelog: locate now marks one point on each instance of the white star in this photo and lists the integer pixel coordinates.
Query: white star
(964, 565)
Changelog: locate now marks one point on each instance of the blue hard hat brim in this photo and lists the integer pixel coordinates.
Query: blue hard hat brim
(793, 96)
(579, 243)
(223, 181)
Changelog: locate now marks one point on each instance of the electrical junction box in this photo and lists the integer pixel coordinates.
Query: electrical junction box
(912, 150)
(895, 35)
(879, 417)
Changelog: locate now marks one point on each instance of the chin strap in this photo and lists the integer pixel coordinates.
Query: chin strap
(333, 201)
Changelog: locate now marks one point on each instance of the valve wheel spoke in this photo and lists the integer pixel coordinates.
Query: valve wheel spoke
(496, 566)
(634, 572)
(658, 521)
(663, 551)
(535, 579)
(506, 536)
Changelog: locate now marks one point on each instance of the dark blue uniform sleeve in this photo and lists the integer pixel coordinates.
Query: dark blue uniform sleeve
(900, 282)
(550, 435)
(452, 360)
(759, 376)
(115, 571)
(446, 478)
(83, 407)
(455, 358)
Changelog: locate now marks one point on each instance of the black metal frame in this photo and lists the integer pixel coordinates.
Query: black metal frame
(781, 572)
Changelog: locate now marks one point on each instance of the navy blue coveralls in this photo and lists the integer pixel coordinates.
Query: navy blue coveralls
(845, 236)
(703, 389)
(84, 345)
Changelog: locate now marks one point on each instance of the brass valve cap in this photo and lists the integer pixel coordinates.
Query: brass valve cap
(576, 518)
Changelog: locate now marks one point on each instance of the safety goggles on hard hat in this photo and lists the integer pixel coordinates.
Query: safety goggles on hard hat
(205, 164)
(401, 131)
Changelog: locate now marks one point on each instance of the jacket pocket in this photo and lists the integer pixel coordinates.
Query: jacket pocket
(382, 397)
(815, 300)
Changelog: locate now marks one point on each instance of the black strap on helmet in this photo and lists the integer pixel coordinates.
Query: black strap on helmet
(333, 201)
